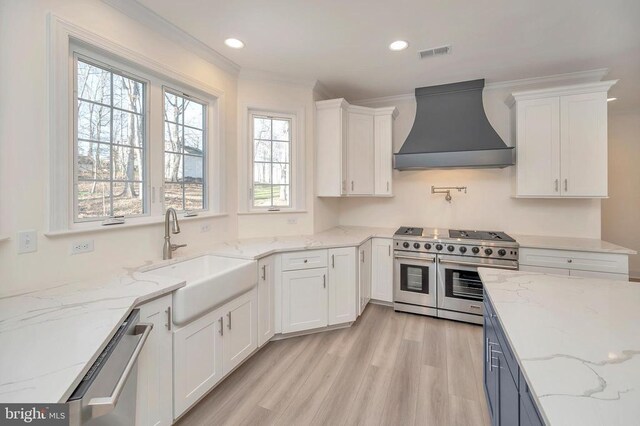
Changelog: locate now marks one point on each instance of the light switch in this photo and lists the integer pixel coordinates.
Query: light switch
(27, 241)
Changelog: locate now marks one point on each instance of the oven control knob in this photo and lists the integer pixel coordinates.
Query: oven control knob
(427, 246)
(405, 244)
(488, 252)
(502, 252)
(463, 249)
(438, 246)
(451, 248)
(475, 250)
(416, 246)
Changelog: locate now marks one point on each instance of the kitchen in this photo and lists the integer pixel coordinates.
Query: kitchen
(295, 184)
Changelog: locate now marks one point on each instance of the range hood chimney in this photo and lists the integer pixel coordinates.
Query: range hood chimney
(451, 130)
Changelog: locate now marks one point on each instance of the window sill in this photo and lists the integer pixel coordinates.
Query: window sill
(259, 212)
(136, 224)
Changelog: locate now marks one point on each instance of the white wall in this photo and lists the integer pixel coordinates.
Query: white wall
(488, 203)
(24, 116)
(621, 211)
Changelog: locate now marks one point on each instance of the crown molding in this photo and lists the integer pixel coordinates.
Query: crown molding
(152, 20)
(573, 89)
(580, 76)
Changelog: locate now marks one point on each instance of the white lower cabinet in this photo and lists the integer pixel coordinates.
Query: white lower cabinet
(154, 392)
(342, 289)
(304, 299)
(576, 263)
(382, 269)
(364, 275)
(266, 299)
(208, 348)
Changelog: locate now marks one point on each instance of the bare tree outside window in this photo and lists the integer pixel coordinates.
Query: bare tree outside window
(110, 143)
(271, 162)
(184, 146)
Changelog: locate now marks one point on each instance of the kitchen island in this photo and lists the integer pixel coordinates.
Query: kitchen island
(570, 344)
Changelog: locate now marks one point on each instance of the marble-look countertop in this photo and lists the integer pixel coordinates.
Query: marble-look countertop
(577, 341)
(341, 236)
(50, 338)
(570, 243)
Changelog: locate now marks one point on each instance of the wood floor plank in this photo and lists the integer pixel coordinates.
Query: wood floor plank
(306, 402)
(464, 412)
(432, 408)
(434, 350)
(402, 397)
(259, 416)
(460, 370)
(475, 340)
(389, 344)
(414, 328)
(368, 406)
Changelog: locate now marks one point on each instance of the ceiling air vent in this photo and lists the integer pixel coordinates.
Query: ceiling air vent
(435, 51)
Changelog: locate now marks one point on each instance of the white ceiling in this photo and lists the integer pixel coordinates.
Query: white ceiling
(343, 43)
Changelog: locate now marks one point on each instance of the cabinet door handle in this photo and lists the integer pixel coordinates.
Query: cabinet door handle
(324, 281)
(362, 256)
(352, 185)
(566, 185)
(169, 319)
(569, 261)
(333, 260)
(220, 320)
(229, 320)
(556, 185)
(387, 186)
(264, 272)
(389, 247)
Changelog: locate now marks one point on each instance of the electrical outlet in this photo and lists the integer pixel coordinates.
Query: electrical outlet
(292, 220)
(205, 227)
(80, 247)
(27, 241)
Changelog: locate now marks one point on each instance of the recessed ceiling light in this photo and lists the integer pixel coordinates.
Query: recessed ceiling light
(611, 99)
(398, 45)
(234, 43)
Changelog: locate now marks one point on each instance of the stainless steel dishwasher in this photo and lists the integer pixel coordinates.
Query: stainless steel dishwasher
(107, 393)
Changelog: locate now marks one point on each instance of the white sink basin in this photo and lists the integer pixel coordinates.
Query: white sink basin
(211, 281)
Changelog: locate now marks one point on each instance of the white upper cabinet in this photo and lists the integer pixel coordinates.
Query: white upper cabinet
(354, 149)
(561, 141)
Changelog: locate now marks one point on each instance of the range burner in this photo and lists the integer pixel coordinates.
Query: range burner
(406, 230)
(480, 235)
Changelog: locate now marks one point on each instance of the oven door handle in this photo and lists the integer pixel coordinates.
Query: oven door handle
(481, 265)
(424, 259)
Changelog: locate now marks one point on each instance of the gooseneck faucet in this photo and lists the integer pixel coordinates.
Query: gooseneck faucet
(168, 249)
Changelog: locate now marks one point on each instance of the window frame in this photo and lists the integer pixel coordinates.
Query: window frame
(63, 39)
(292, 118)
(145, 184)
(205, 148)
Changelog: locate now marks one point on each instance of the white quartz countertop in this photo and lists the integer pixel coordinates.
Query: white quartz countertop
(577, 341)
(341, 236)
(569, 243)
(50, 338)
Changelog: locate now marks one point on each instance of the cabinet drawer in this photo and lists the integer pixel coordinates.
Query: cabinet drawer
(579, 260)
(304, 260)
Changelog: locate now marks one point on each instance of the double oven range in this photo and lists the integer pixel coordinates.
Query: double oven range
(436, 271)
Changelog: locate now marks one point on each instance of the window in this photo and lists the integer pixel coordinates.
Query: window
(271, 161)
(110, 143)
(184, 152)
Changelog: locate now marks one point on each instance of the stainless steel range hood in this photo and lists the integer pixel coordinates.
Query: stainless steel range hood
(451, 130)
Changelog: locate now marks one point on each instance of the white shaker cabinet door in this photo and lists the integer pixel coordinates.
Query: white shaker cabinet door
(360, 154)
(383, 137)
(197, 359)
(304, 299)
(382, 269)
(241, 331)
(583, 132)
(266, 299)
(364, 275)
(155, 381)
(538, 149)
(342, 285)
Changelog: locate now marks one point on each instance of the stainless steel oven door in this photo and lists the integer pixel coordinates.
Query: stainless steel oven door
(459, 286)
(414, 280)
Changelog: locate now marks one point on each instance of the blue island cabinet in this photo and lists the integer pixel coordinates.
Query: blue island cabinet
(508, 397)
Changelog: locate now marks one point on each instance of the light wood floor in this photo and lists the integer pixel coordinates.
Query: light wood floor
(389, 368)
